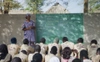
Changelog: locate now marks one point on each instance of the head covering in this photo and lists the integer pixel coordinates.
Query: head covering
(27, 15)
(3, 51)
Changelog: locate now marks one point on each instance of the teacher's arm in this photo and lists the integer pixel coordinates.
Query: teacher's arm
(25, 29)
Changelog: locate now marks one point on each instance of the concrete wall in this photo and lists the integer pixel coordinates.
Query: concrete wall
(92, 27)
(11, 26)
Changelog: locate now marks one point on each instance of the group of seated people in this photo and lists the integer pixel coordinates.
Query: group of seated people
(53, 52)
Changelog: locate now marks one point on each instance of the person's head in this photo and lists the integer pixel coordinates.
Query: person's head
(25, 41)
(43, 40)
(16, 59)
(28, 16)
(13, 40)
(24, 52)
(3, 48)
(98, 51)
(93, 42)
(53, 50)
(37, 58)
(37, 48)
(66, 52)
(65, 39)
(76, 60)
(56, 40)
(80, 40)
(83, 54)
(3, 51)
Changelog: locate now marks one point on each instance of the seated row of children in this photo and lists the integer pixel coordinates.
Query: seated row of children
(53, 52)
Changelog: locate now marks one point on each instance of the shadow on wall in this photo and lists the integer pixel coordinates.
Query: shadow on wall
(92, 27)
(11, 26)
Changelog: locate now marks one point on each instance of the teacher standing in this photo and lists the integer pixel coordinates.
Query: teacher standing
(28, 28)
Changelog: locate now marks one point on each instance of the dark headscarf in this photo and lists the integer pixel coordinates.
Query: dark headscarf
(3, 51)
(27, 15)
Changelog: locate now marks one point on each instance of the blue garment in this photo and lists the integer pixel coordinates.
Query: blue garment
(29, 34)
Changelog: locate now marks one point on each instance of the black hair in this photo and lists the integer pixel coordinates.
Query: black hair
(76, 60)
(80, 40)
(37, 58)
(98, 51)
(25, 41)
(43, 40)
(37, 48)
(83, 54)
(64, 39)
(3, 51)
(16, 59)
(66, 52)
(13, 40)
(94, 41)
(54, 50)
(24, 52)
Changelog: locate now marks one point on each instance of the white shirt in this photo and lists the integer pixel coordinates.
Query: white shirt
(43, 48)
(48, 57)
(58, 48)
(27, 48)
(30, 56)
(54, 59)
(79, 47)
(92, 50)
(87, 60)
(96, 58)
(68, 44)
(13, 49)
(67, 60)
(23, 57)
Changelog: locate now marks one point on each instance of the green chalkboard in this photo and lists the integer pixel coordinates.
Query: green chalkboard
(51, 26)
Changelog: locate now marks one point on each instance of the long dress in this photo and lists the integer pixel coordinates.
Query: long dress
(29, 34)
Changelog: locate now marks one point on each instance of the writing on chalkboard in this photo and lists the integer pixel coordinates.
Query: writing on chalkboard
(51, 26)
